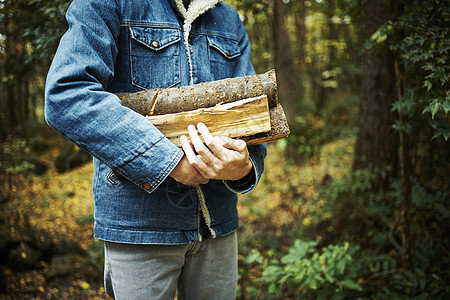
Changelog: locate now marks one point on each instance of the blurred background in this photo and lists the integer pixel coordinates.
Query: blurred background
(353, 204)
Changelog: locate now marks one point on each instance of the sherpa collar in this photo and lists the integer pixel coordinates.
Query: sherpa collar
(194, 10)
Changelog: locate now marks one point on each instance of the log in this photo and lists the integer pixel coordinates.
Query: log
(242, 118)
(177, 101)
(202, 95)
(279, 128)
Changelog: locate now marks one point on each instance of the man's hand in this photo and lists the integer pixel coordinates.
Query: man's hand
(222, 158)
(187, 174)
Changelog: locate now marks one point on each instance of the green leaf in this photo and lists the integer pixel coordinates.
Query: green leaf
(341, 266)
(300, 275)
(350, 284)
(329, 278)
(271, 271)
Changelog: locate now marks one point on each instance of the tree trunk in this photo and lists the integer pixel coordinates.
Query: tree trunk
(351, 49)
(301, 35)
(405, 173)
(377, 143)
(331, 37)
(288, 81)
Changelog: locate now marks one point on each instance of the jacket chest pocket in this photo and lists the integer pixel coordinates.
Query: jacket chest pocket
(155, 57)
(223, 56)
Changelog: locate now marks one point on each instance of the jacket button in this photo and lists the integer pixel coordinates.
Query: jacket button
(146, 185)
(190, 41)
(155, 44)
(228, 53)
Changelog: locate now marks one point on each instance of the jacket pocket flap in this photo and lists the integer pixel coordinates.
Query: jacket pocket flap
(228, 47)
(155, 38)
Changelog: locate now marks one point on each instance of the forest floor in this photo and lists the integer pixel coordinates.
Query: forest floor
(60, 204)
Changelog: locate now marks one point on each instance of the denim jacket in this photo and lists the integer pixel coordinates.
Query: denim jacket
(117, 46)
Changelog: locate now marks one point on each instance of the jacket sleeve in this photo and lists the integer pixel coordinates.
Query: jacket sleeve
(79, 108)
(258, 152)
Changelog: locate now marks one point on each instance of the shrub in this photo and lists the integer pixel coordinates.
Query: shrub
(308, 273)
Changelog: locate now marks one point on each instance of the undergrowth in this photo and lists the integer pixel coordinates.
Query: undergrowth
(310, 230)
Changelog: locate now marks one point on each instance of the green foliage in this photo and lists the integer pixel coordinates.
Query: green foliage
(313, 131)
(379, 36)
(382, 274)
(29, 34)
(306, 272)
(96, 254)
(18, 156)
(422, 40)
(383, 278)
(35, 25)
(13, 154)
(348, 201)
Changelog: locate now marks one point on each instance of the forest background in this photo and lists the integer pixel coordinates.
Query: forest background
(353, 204)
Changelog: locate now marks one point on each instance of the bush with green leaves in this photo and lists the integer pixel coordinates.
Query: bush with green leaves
(424, 47)
(348, 201)
(309, 273)
(13, 154)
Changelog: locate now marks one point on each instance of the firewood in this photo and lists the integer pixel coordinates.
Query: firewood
(202, 95)
(194, 103)
(279, 128)
(237, 119)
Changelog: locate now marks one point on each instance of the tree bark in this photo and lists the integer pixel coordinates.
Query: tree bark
(194, 100)
(278, 128)
(301, 35)
(202, 95)
(377, 144)
(288, 81)
(405, 173)
(331, 34)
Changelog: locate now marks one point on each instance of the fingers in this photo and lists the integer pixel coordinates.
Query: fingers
(220, 145)
(197, 161)
(213, 143)
(199, 146)
(221, 157)
(207, 136)
(189, 151)
(236, 144)
(214, 156)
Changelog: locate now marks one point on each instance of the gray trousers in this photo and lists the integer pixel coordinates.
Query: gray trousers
(199, 270)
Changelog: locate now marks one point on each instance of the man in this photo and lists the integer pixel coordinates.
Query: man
(167, 215)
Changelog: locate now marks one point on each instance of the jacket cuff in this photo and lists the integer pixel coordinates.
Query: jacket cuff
(135, 170)
(246, 184)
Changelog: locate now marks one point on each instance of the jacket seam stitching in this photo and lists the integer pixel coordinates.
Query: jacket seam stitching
(139, 155)
(149, 24)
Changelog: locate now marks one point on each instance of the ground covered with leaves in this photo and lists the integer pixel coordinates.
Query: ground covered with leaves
(49, 221)
(56, 209)
(296, 238)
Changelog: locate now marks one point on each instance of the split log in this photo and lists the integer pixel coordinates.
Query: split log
(202, 95)
(242, 118)
(279, 128)
(196, 100)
